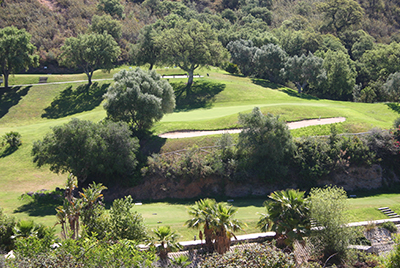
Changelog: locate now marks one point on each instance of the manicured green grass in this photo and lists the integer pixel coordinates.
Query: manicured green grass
(22, 111)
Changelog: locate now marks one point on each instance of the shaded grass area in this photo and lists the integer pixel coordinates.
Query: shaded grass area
(10, 97)
(200, 95)
(69, 101)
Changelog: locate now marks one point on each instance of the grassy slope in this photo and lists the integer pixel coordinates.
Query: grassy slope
(18, 174)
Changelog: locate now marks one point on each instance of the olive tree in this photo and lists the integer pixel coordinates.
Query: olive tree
(16, 52)
(139, 98)
(265, 144)
(90, 52)
(190, 45)
(92, 152)
(305, 70)
(392, 86)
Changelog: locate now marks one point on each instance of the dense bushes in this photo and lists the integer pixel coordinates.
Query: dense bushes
(267, 152)
(7, 225)
(254, 256)
(93, 152)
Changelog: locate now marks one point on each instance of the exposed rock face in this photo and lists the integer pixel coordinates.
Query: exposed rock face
(158, 188)
(355, 178)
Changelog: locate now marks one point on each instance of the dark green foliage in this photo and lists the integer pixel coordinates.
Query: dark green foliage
(257, 255)
(102, 53)
(7, 225)
(269, 60)
(102, 152)
(84, 252)
(341, 76)
(305, 70)
(287, 215)
(396, 123)
(392, 87)
(16, 52)
(106, 23)
(232, 68)
(242, 53)
(190, 45)
(125, 223)
(340, 15)
(390, 226)
(112, 7)
(189, 165)
(139, 98)
(12, 139)
(328, 209)
(83, 98)
(265, 145)
(146, 50)
(383, 144)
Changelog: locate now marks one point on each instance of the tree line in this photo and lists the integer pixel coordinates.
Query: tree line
(337, 61)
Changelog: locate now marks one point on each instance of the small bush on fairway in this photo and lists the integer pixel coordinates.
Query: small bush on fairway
(13, 139)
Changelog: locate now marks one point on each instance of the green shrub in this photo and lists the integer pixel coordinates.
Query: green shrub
(83, 252)
(396, 123)
(390, 226)
(125, 223)
(13, 139)
(7, 225)
(232, 68)
(254, 256)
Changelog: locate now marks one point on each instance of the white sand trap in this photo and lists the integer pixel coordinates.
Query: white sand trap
(292, 125)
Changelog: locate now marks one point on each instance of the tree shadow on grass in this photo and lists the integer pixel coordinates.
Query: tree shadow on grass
(294, 93)
(290, 92)
(200, 95)
(264, 83)
(41, 203)
(83, 98)
(10, 97)
(394, 106)
(7, 151)
(152, 145)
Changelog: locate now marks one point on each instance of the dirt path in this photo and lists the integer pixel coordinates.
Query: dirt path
(292, 125)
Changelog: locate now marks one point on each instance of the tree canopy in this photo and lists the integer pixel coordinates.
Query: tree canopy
(90, 52)
(264, 144)
(139, 98)
(92, 152)
(146, 50)
(16, 52)
(190, 45)
(305, 70)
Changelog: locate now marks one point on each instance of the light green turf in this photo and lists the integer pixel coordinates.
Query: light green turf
(19, 175)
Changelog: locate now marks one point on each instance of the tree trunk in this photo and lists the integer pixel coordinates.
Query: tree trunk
(90, 79)
(190, 79)
(151, 66)
(298, 87)
(6, 75)
(208, 237)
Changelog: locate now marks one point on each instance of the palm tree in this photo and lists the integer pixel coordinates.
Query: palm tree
(224, 226)
(287, 215)
(217, 221)
(203, 214)
(167, 240)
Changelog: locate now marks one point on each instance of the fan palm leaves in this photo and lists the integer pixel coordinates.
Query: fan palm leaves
(167, 240)
(287, 215)
(217, 221)
(203, 213)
